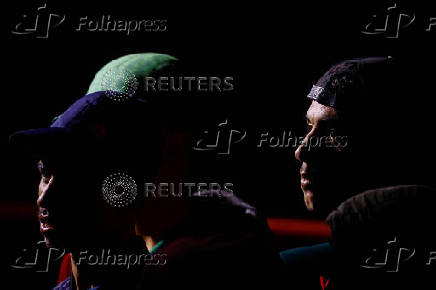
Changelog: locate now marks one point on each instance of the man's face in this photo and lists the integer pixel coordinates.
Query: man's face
(46, 226)
(66, 204)
(320, 155)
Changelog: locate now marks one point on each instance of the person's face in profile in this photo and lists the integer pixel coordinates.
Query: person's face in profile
(320, 155)
(72, 212)
(63, 206)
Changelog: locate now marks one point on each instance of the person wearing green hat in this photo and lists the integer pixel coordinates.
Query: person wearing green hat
(94, 161)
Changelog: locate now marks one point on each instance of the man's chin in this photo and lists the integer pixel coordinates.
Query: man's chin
(309, 200)
(318, 208)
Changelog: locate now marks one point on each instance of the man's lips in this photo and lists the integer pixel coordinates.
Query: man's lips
(308, 176)
(45, 223)
(305, 182)
(306, 179)
(45, 228)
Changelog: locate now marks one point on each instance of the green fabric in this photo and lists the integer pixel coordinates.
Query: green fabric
(316, 257)
(156, 247)
(139, 65)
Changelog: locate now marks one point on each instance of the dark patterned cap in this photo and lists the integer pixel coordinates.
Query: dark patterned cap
(348, 81)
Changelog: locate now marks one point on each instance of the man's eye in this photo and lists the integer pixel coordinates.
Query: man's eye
(45, 174)
(45, 179)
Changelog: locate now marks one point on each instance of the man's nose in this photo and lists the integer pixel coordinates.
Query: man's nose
(45, 193)
(299, 153)
(302, 151)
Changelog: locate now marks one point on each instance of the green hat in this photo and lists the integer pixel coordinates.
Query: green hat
(121, 77)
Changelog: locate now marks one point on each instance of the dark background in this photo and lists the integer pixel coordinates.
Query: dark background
(274, 51)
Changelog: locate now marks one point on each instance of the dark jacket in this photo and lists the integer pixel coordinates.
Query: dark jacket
(224, 242)
(384, 239)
